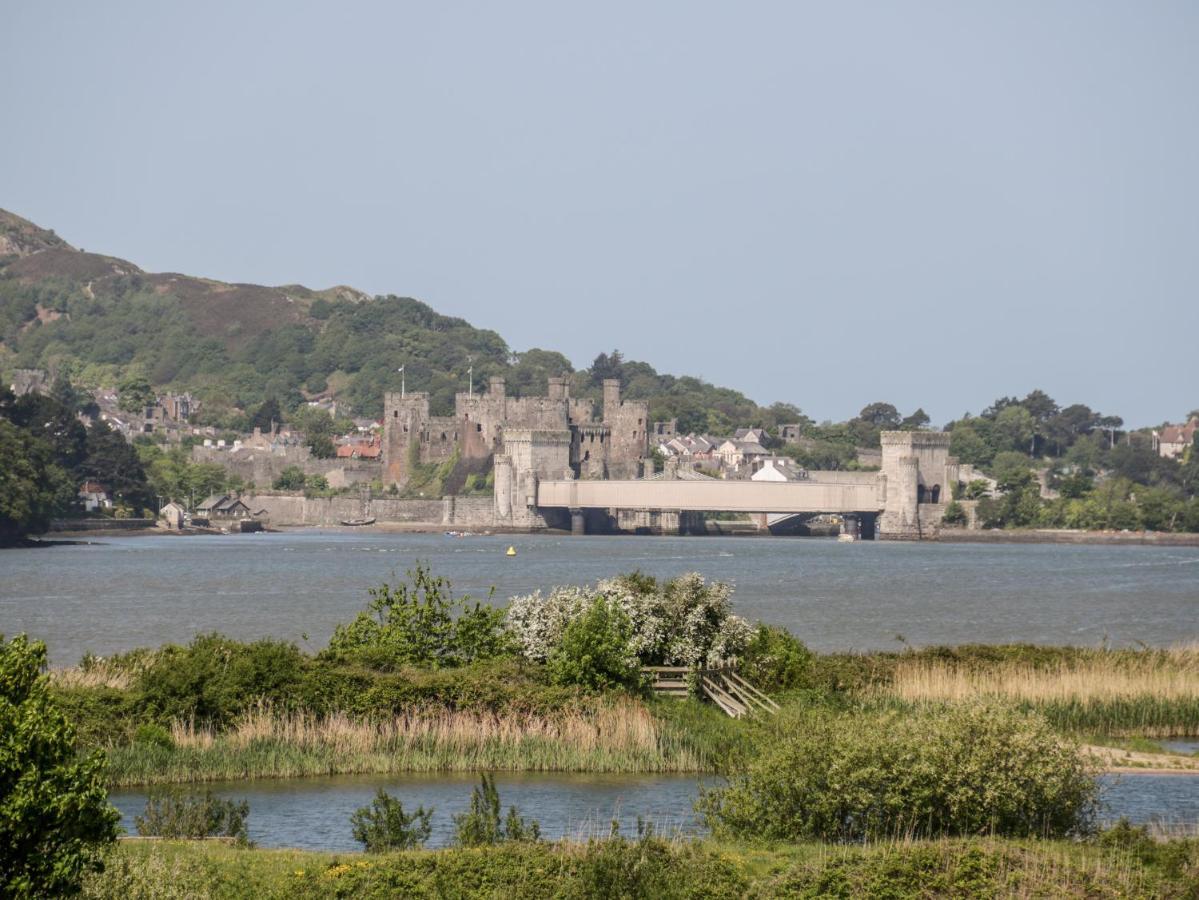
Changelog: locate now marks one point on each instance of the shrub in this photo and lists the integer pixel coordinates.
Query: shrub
(384, 825)
(153, 736)
(962, 770)
(955, 514)
(290, 479)
(594, 651)
(170, 813)
(481, 824)
(683, 622)
(420, 624)
(775, 660)
(55, 818)
(215, 678)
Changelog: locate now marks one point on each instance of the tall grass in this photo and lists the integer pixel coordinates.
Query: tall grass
(621, 736)
(1153, 693)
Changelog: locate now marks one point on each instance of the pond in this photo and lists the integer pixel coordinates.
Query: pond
(314, 813)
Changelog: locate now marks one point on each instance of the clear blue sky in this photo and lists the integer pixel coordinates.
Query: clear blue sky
(831, 204)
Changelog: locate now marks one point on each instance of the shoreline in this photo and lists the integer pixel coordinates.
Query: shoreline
(1066, 536)
(945, 536)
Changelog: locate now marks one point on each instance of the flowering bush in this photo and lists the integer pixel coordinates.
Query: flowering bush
(682, 622)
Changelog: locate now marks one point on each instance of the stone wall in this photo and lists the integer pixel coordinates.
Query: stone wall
(291, 509)
(261, 467)
(281, 509)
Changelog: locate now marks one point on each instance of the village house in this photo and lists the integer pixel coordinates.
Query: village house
(222, 507)
(359, 448)
(173, 515)
(94, 496)
(739, 456)
(1172, 440)
(779, 468)
(752, 435)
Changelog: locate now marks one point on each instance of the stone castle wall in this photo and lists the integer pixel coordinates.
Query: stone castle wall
(611, 447)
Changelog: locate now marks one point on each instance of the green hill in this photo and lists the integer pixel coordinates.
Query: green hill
(102, 319)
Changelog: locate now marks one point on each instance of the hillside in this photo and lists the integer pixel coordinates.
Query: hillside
(103, 319)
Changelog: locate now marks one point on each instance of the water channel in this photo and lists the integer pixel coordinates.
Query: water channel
(113, 594)
(123, 592)
(314, 813)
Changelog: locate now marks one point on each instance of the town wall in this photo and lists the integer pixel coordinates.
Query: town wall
(261, 467)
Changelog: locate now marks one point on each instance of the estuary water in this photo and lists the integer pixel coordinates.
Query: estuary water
(117, 593)
(314, 813)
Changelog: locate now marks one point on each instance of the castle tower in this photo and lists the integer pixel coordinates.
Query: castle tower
(404, 418)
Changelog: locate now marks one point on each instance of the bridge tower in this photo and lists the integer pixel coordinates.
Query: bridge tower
(920, 475)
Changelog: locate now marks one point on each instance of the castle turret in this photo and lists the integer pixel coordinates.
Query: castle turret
(611, 394)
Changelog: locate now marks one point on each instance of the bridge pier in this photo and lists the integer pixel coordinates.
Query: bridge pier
(578, 522)
(851, 525)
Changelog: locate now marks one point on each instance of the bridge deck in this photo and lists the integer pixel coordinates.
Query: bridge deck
(724, 496)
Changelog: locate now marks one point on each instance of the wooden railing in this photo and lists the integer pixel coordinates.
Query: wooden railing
(720, 684)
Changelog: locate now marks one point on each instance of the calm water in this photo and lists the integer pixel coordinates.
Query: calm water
(120, 593)
(315, 813)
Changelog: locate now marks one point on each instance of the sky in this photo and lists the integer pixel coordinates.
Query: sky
(930, 204)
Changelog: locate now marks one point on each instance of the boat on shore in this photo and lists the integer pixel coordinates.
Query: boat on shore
(356, 522)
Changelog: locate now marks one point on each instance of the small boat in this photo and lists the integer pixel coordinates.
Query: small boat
(370, 521)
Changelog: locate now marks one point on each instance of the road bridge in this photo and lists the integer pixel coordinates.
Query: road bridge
(713, 495)
(907, 496)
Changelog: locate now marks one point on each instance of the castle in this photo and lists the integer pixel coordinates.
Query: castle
(561, 432)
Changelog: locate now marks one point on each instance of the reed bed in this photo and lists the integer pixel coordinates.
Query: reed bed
(618, 737)
(92, 677)
(1154, 693)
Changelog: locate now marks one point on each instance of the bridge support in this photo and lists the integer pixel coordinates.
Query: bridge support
(578, 522)
(851, 525)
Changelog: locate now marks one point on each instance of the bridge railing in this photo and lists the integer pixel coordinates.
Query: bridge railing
(721, 684)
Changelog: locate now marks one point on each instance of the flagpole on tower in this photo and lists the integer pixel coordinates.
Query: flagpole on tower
(403, 380)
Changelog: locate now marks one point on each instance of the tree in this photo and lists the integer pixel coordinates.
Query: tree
(915, 421)
(33, 488)
(881, 415)
(968, 446)
(419, 622)
(113, 461)
(594, 651)
(267, 416)
(1014, 428)
(606, 366)
(55, 818)
(290, 479)
(134, 394)
(1040, 406)
(384, 825)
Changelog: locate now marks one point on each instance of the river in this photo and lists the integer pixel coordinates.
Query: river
(314, 813)
(122, 592)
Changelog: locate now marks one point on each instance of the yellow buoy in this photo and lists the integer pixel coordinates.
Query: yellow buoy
(511, 551)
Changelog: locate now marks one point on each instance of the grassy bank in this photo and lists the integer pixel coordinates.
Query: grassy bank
(620, 736)
(1117, 693)
(1120, 865)
(192, 722)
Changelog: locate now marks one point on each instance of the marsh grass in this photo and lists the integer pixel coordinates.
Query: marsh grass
(977, 867)
(96, 676)
(1151, 693)
(621, 736)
